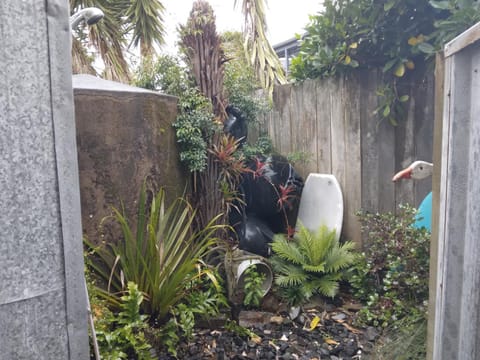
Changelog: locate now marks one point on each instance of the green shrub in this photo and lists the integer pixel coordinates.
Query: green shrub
(311, 262)
(392, 275)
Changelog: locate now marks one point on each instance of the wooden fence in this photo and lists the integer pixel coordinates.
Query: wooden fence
(333, 123)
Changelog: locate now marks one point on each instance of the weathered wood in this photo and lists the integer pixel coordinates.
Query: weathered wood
(437, 161)
(353, 168)
(335, 120)
(456, 332)
(323, 134)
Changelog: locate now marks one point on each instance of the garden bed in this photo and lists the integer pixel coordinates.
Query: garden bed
(322, 330)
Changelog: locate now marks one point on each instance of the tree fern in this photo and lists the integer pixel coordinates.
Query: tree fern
(310, 263)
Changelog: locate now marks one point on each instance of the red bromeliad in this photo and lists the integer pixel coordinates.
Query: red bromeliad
(285, 195)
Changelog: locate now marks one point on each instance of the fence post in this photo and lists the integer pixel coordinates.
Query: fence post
(456, 325)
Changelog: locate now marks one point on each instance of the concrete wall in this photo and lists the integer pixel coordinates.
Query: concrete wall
(125, 137)
(42, 292)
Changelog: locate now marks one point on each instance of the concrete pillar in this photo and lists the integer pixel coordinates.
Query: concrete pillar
(42, 295)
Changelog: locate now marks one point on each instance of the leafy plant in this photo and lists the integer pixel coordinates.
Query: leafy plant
(312, 262)
(121, 335)
(203, 300)
(160, 256)
(397, 36)
(253, 281)
(392, 275)
(239, 80)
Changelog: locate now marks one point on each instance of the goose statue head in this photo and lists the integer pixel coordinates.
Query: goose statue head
(417, 170)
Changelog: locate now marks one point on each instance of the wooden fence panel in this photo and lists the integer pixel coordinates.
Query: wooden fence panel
(353, 169)
(333, 120)
(456, 330)
(323, 133)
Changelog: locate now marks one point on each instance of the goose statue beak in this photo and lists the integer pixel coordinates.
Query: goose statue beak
(404, 174)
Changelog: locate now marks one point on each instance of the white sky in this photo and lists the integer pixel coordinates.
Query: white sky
(285, 18)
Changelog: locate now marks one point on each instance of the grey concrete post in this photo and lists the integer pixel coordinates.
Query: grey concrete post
(42, 297)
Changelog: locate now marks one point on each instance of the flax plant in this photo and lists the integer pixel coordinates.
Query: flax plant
(161, 256)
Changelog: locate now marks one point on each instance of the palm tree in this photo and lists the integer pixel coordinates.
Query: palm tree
(138, 20)
(142, 22)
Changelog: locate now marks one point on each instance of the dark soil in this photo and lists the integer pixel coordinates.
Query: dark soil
(320, 331)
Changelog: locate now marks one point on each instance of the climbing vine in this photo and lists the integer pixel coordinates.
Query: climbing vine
(397, 36)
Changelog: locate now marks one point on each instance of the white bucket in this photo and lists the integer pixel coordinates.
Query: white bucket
(236, 263)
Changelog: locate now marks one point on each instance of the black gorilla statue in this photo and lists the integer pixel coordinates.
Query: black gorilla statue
(270, 192)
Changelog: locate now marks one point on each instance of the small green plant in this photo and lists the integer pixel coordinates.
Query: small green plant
(392, 275)
(253, 281)
(121, 335)
(204, 299)
(241, 331)
(311, 262)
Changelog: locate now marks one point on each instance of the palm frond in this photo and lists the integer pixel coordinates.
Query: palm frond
(260, 53)
(145, 19)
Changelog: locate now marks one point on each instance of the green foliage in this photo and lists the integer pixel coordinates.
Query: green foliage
(253, 287)
(204, 299)
(160, 256)
(239, 80)
(312, 262)
(194, 128)
(392, 276)
(121, 335)
(195, 123)
(241, 331)
(165, 74)
(396, 36)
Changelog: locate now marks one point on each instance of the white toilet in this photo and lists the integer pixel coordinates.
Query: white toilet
(321, 203)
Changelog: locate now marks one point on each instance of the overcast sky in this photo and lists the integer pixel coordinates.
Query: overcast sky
(285, 18)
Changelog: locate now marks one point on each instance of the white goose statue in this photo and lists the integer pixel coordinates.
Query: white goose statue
(419, 170)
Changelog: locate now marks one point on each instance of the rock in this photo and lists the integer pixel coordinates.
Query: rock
(276, 320)
(339, 317)
(253, 318)
(294, 312)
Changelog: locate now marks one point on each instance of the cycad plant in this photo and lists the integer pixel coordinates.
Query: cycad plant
(310, 263)
(161, 256)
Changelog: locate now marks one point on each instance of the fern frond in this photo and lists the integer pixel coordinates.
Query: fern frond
(315, 245)
(340, 257)
(287, 274)
(320, 268)
(287, 249)
(327, 285)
